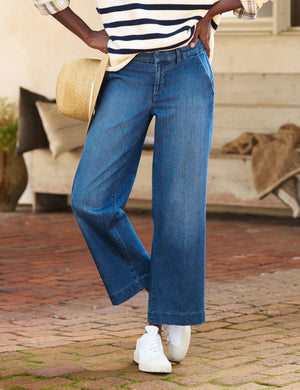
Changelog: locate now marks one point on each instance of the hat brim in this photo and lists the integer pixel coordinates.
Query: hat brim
(96, 86)
(78, 87)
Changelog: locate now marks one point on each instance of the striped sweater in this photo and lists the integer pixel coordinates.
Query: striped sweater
(149, 25)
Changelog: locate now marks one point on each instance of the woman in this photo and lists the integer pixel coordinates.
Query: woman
(158, 65)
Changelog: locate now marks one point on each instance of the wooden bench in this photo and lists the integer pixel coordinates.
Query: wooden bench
(243, 102)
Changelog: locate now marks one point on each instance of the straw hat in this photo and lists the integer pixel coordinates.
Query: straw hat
(78, 86)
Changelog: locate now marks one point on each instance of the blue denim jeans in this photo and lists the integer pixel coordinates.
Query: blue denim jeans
(177, 87)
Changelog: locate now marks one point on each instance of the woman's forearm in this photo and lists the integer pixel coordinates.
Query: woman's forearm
(74, 23)
(223, 6)
(95, 39)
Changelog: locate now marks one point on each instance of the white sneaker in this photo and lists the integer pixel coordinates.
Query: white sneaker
(179, 338)
(149, 352)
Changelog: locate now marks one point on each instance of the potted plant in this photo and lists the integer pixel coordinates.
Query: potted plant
(13, 172)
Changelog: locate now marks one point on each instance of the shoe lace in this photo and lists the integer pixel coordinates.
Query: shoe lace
(153, 343)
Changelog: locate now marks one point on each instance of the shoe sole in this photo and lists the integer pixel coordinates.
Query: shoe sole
(151, 366)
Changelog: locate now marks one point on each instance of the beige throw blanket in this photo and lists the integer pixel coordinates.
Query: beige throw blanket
(275, 162)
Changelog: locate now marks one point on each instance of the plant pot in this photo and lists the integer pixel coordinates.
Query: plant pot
(13, 179)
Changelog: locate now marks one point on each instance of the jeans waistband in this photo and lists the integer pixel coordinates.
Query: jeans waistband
(169, 55)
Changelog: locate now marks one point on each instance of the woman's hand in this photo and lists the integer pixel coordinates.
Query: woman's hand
(98, 40)
(203, 31)
(203, 27)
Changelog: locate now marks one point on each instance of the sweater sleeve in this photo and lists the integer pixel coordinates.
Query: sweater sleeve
(51, 7)
(249, 9)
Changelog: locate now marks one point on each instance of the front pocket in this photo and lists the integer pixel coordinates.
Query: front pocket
(204, 61)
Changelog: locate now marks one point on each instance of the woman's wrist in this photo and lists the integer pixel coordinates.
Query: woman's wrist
(98, 40)
(207, 18)
(222, 6)
(88, 36)
(209, 15)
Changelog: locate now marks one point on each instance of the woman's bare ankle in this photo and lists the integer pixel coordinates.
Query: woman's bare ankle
(158, 326)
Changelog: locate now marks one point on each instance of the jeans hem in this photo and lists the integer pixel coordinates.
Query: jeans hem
(130, 290)
(195, 318)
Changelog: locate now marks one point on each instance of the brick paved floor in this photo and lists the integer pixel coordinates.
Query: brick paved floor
(59, 331)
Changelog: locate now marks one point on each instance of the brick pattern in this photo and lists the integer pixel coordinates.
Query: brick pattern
(59, 331)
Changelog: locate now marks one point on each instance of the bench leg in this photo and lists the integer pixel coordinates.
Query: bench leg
(49, 202)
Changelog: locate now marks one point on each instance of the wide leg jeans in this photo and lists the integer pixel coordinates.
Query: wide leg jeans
(177, 87)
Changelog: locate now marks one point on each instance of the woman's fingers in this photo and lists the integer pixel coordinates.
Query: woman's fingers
(206, 45)
(195, 36)
(204, 41)
(202, 32)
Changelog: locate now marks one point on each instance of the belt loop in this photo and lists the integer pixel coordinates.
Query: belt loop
(178, 56)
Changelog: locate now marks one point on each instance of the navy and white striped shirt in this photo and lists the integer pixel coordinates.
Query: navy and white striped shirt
(148, 25)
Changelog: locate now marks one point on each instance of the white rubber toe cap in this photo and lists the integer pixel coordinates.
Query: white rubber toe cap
(179, 345)
(155, 366)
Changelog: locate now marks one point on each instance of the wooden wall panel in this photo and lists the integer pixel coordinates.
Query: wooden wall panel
(258, 89)
(231, 121)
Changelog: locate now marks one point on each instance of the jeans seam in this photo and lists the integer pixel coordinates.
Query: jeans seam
(129, 285)
(117, 235)
(178, 312)
(154, 210)
(114, 230)
(209, 74)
